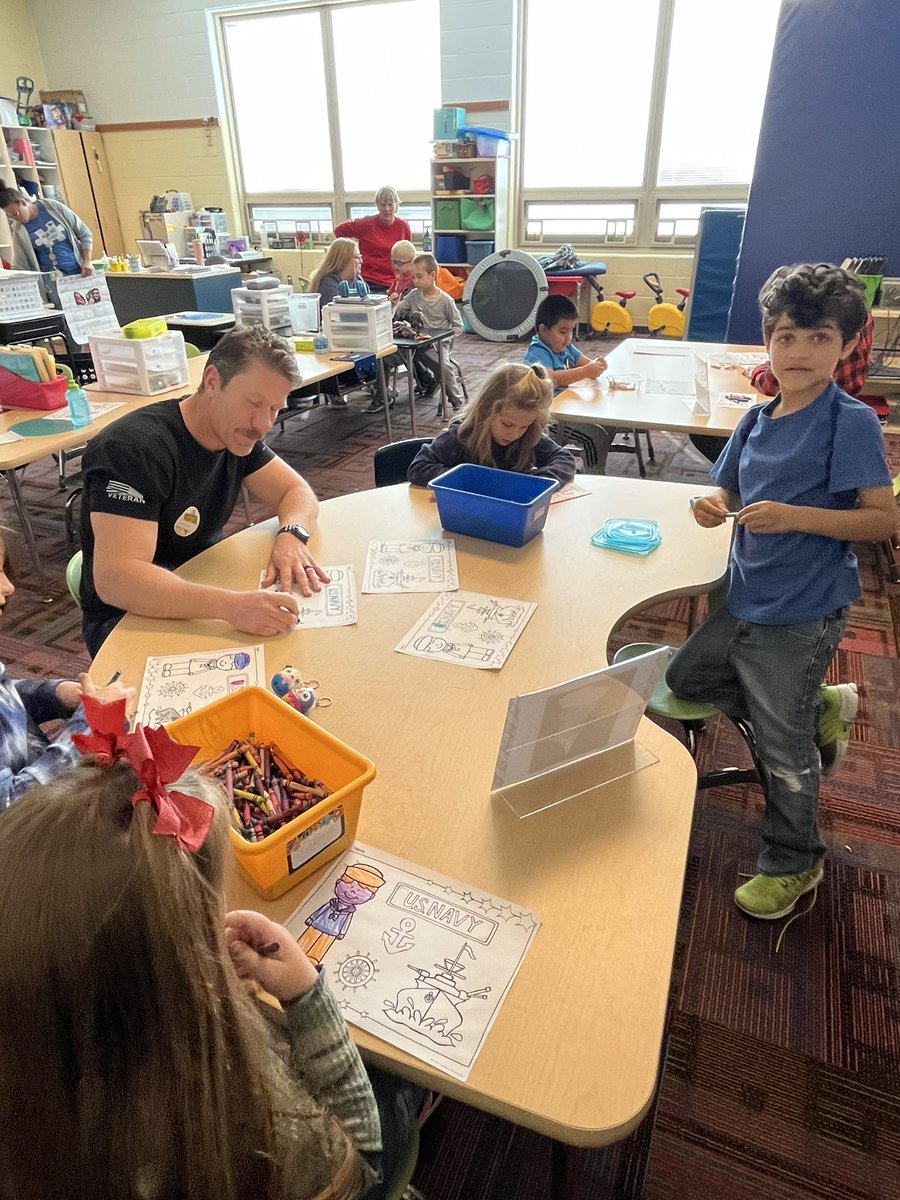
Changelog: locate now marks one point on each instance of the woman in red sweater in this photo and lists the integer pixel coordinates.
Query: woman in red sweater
(376, 235)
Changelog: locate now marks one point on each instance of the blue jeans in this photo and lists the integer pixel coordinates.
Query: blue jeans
(769, 675)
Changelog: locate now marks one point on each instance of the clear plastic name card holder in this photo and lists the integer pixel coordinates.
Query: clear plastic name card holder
(576, 737)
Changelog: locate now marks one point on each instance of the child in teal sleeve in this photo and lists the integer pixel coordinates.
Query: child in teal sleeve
(806, 475)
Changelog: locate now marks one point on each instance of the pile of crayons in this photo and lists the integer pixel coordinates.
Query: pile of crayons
(266, 790)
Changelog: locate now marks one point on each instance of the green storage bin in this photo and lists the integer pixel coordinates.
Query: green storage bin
(477, 214)
(447, 214)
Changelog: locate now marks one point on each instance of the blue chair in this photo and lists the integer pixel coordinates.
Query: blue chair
(391, 462)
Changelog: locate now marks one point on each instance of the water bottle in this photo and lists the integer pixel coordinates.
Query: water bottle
(79, 409)
(426, 241)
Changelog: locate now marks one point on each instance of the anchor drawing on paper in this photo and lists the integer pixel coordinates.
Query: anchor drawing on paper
(431, 1006)
(400, 938)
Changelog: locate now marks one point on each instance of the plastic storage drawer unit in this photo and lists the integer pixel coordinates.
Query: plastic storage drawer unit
(364, 325)
(139, 367)
(500, 506)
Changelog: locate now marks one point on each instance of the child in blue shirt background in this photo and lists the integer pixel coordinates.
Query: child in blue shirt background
(806, 474)
(555, 323)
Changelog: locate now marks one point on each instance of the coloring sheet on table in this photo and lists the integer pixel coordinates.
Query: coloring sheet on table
(177, 684)
(423, 566)
(468, 629)
(568, 491)
(334, 605)
(667, 387)
(99, 408)
(737, 400)
(10, 436)
(415, 958)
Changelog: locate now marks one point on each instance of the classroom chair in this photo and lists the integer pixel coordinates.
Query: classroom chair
(692, 717)
(391, 462)
(400, 1186)
(73, 577)
(192, 351)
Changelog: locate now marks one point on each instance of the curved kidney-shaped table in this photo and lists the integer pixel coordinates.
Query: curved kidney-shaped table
(574, 1051)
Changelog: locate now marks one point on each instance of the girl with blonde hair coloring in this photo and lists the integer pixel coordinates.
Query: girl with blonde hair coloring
(140, 1066)
(503, 427)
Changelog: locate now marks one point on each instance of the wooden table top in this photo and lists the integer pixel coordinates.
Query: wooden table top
(313, 369)
(574, 1052)
(658, 362)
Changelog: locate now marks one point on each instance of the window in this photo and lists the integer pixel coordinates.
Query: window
(318, 128)
(417, 216)
(628, 143)
(716, 85)
(553, 223)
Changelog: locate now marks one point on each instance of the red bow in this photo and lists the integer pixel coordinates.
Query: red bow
(157, 760)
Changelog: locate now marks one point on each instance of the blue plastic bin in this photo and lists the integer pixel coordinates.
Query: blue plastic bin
(476, 250)
(500, 506)
(449, 248)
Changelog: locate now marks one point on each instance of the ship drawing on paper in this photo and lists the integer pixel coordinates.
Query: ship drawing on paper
(431, 1006)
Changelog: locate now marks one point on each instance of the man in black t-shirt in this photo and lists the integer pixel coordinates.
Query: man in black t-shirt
(160, 484)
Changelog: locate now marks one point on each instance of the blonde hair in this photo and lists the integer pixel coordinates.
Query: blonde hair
(340, 254)
(387, 193)
(407, 249)
(513, 385)
(137, 1052)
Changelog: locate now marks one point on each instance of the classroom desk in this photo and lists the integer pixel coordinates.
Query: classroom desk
(574, 1053)
(14, 455)
(406, 348)
(662, 361)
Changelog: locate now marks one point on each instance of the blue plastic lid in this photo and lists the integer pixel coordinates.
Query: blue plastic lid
(484, 131)
(629, 535)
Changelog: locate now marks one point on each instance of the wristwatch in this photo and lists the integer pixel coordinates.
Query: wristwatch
(299, 531)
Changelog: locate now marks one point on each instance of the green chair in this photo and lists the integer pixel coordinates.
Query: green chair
(692, 716)
(73, 577)
(191, 350)
(400, 1186)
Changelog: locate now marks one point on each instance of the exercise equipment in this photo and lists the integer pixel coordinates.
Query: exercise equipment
(611, 318)
(665, 317)
(502, 294)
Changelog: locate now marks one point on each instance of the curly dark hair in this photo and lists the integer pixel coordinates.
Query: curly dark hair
(811, 293)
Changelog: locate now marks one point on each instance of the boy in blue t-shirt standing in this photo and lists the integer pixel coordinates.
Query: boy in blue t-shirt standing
(806, 474)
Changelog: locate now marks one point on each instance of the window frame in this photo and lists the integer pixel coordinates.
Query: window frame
(649, 195)
(340, 200)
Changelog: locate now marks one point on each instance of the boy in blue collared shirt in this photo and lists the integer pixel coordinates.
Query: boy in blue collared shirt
(807, 475)
(555, 323)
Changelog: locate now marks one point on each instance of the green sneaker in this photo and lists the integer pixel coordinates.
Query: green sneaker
(772, 896)
(840, 704)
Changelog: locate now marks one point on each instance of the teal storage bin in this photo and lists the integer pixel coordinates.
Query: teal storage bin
(446, 214)
(447, 123)
(499, 506)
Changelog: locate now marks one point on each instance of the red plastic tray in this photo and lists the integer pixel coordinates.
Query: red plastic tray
(16, 392)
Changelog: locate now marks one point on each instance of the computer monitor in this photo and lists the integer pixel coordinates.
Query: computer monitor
(153, 254)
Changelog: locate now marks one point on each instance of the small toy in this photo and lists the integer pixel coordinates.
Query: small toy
(289, 685)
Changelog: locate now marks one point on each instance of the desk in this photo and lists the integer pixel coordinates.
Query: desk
(407, 348)
(574, 1053)
(13, 455)
(137, 294)
(662, 360)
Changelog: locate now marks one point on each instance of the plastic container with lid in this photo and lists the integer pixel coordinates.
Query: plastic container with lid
(139, 367)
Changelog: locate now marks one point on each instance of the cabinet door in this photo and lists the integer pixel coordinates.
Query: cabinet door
(75, 182)
(107, 213)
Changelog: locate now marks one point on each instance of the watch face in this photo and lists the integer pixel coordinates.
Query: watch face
(297, 530)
